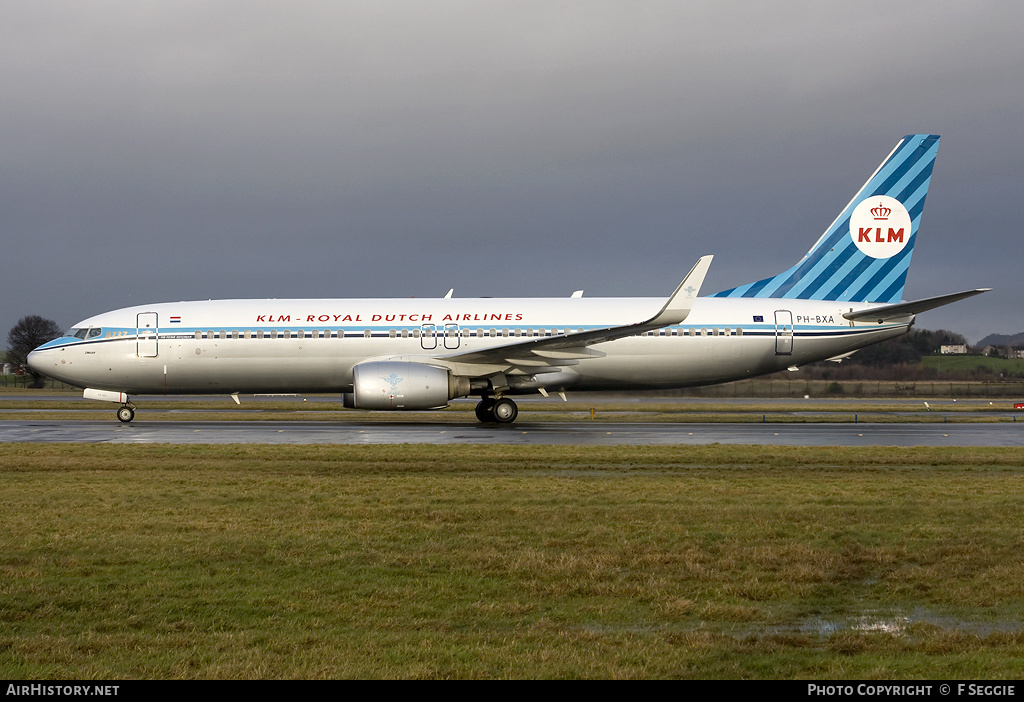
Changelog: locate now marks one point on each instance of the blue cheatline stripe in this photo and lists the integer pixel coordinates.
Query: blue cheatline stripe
(835, 268)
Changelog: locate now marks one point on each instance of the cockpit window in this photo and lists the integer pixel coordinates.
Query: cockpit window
(85, 332)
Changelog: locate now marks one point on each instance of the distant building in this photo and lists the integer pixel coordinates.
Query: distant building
(1016, 352)
(947, 349)
(8, 369)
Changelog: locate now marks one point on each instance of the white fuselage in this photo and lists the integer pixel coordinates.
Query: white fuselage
(268, 346)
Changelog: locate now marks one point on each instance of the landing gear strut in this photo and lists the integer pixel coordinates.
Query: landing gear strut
(501, 410)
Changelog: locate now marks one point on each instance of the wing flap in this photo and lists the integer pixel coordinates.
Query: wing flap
(564, 354)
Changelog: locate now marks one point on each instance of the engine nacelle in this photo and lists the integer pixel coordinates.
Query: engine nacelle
(402, 385)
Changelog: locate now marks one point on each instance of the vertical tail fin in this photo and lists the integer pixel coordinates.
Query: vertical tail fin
(864, 255)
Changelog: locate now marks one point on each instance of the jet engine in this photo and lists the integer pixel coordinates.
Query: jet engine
(402, 385)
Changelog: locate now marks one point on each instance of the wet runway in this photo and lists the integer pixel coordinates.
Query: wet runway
(584, 432)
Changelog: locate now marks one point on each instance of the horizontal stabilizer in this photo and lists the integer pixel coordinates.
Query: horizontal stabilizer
(905, 309)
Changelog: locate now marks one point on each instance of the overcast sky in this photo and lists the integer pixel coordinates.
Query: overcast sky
(155, 151)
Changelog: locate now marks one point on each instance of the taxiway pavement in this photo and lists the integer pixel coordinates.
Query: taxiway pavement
(584, 432)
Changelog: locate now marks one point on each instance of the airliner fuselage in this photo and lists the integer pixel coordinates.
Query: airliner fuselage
(266, 346)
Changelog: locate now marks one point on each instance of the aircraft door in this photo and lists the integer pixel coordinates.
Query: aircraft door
(147, 333)
(451, 336)
(428, 336)
(783, 332)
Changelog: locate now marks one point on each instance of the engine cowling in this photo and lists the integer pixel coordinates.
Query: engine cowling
(402, 385)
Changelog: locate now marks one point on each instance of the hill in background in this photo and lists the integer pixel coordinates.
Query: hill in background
(1002, 340)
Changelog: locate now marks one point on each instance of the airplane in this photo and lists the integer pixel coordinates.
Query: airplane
(418, 354)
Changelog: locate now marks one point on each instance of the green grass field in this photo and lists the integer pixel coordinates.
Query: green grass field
(510, 562)
(968, 365)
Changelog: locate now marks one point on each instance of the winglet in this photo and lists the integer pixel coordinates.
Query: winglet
(681, 301)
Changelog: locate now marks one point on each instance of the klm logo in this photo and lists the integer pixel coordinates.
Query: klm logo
(864, 234)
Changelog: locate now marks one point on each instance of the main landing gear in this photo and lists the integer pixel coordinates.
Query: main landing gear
(500, 410)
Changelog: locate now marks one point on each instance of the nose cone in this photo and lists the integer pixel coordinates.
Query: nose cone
(40, 360)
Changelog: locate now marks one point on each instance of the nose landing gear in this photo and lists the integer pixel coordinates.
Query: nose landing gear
(126, 413)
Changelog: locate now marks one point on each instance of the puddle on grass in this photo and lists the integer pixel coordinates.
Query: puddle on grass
(894, 624)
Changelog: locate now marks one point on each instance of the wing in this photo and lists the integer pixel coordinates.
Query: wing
(564, 349)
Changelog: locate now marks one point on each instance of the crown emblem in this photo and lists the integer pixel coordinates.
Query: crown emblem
(880, 212)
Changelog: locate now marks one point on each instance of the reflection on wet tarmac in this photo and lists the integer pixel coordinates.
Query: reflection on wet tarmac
(585, 432)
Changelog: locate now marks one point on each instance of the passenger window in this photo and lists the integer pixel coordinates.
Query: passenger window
(198, 334)
(259, 333)
(367, 334)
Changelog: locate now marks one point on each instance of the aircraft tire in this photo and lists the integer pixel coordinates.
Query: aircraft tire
(484, 409)
(504, 411)
(125, 414)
